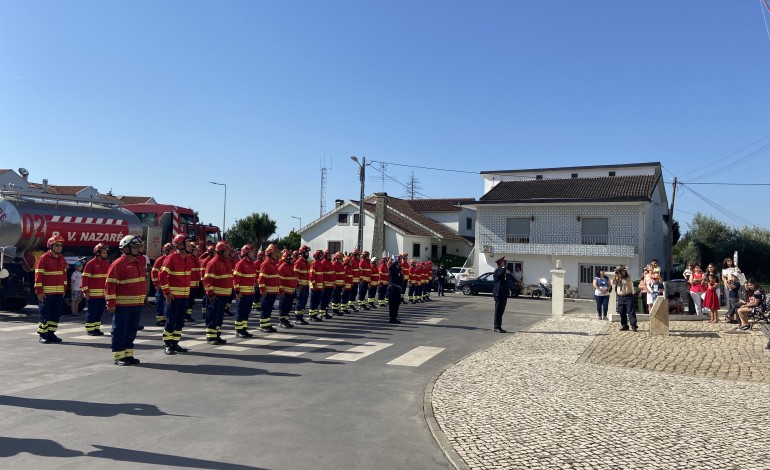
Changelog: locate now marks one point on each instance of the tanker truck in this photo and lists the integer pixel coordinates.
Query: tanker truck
(28, 219)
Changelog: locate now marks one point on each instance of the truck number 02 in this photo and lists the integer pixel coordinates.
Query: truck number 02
(32, 225)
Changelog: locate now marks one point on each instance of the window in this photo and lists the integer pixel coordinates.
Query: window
(443, 250)
(574, 175)
(434, 251)
(356, 217)
(469, 223)
(147, 218)
(594, 231)
(415, 250)
(612, 173)
(342, 219)
(517, 230)
(335, 246)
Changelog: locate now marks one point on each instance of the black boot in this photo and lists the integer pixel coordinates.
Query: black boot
(168, 348)
(243, 333)
(53, 338)
(286, 324)
(315, 318)
(178, 348)
(44, 338)
(300, 321)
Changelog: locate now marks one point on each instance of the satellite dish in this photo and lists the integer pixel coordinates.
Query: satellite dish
(3, 273)
(23, 172)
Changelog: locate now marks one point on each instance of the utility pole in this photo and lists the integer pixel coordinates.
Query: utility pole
(670, 250)
(362, 177)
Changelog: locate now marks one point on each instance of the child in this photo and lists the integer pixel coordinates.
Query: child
(655, 288)
(675, 304)
(711, 300)
(76, 284)
(733, 289)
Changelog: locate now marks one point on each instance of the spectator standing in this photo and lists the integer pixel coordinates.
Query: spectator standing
(697, 288)
(500, 291)
(733, 287)
(712, 269)
(441, 275)
(601, 293)
(624, 290)
(644, 283)
(711, 299)
(76, 287)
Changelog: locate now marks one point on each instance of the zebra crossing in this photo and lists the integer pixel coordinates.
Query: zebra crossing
(280, 344)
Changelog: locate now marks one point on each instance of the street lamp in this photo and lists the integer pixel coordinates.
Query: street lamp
(224, 211)
(361, 176)
(298, 218)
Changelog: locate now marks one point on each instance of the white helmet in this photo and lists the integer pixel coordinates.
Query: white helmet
(129, 240)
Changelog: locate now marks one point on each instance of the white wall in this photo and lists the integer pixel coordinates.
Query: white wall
(491, 179)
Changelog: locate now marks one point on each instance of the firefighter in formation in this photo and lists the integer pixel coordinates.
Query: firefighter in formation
(333, 284)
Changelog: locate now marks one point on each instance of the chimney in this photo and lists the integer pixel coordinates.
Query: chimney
(45, 185)
(338, 203)
(378, 239)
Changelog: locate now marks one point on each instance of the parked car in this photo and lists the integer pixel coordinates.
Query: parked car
(484, 283)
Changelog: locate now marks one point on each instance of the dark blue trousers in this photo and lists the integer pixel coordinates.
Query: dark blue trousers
(96, 308)
(50, 314)
(125, 323)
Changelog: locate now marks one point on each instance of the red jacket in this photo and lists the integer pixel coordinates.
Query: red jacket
(51, 274)
(405, 269)
(218, 279)
(94, 277)
(348, 276)
(245, 277)
(316, 276)
(301, 268)
(126, 286)
(197, 273)
(156, 270)
(288, 277)
(384, 275)
(354, 265)
(176, 274)
(339, 274)
(366, 270)
(269, 279)
(374, 279)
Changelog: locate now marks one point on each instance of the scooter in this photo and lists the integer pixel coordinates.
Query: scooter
(543, 288)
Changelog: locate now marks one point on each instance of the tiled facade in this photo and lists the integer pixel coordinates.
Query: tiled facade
(555, 229)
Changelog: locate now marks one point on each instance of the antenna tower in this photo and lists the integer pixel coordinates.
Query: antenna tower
(383, 166)
(323, 185)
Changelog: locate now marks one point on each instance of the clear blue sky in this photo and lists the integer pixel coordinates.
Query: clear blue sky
(160, 97)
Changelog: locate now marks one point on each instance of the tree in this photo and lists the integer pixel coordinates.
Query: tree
(254, 229)
(291, 241)
(676, 232)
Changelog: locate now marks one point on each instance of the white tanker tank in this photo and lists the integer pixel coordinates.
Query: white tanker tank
(28, 219)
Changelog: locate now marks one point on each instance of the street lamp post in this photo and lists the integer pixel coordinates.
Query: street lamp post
(298, 218)
(361, 176)
(224, 210)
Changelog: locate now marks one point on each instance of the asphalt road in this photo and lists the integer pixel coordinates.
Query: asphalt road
(345, 393)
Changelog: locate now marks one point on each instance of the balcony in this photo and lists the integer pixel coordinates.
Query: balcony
(594, 246)
(517, 238)
(594, 239)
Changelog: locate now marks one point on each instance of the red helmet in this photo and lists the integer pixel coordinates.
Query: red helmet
(99, 247)
(365, 254)
(317, 254)
(356, 252)
(304, 248)
(246, 249)
(179, 240)
(271, 248)
(327, 253)
(167, 247)
(55, 239)
(286, 253)
(222, 246)
(338, 255)
(295, 254)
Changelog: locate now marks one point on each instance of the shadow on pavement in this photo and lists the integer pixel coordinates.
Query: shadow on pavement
(578, 333)
(268, 359)
(10, 446)
(140, 457)
(84, 408)
(209, 369)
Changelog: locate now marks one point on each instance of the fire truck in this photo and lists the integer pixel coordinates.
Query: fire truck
(29, 218)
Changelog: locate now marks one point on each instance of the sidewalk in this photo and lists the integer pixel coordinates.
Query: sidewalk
(576, 393)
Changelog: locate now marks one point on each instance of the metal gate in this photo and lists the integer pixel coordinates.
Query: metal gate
(586, 281)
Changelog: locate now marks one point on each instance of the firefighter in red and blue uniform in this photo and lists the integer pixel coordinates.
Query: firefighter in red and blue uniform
(244, 283)
(365, 266)
(289, 284)
(175, 279)
(354, 266)
(270, 287)
(301, 269)
(195, 282)
(160, 299)
(218, 281)
(339, 284)
(50, 284)
(374, 282)
(94, 279)
(382, 288)
(125, 292)
(329, 277)
(316, 282)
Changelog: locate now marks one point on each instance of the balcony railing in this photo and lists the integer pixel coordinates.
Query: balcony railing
(517, 238)
(594, 239)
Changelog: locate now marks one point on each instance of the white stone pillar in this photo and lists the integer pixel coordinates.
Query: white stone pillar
(557, 290)
(613, 302)
(659, 317)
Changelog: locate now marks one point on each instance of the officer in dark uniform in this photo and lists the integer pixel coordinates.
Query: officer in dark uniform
(500, 291)
(395, 283)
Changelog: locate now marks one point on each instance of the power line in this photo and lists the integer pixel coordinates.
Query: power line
(731, 215)
(735, 184)
(730, 164)
(398, 182)
(428, 168)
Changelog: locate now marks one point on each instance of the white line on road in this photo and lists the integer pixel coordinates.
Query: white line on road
(431, 321)
(359, 352)
(416, 356)
(301, 349)
(30, 326)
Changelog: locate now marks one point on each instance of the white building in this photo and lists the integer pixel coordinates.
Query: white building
(588, 217)
(424, 228)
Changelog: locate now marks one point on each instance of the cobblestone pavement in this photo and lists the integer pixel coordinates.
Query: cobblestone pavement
(530, 402)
